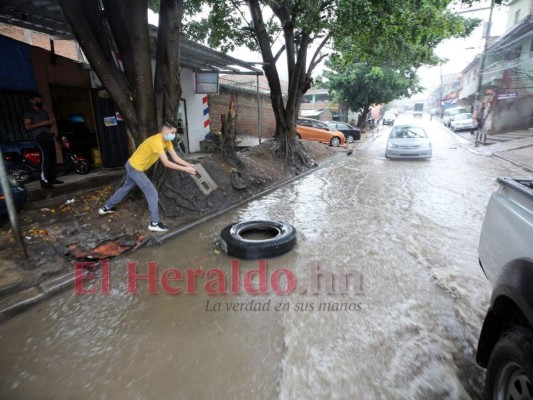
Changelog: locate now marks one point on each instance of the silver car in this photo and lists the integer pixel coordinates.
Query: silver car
(463, 121)
(407, 141)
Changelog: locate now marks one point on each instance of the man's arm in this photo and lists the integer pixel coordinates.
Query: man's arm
(177, 159)
(173, 165)
(29, 126)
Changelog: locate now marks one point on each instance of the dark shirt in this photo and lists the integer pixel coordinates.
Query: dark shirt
(43, 133)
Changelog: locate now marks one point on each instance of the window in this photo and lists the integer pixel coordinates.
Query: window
(305, 122)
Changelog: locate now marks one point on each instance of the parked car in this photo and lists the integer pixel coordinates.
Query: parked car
(463, 121)
(18, 192)
(388, 118)
(450, 113)
(505, 344)
(408, 141)
(318, 131)
(350, 132)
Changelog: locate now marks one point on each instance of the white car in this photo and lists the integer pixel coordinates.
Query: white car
(408, 141)
(463, 121)
(450, 114)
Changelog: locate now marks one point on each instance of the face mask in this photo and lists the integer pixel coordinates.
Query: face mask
(170, 136)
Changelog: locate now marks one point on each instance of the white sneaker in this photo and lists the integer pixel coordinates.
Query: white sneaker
(159, 227)
(104, 210)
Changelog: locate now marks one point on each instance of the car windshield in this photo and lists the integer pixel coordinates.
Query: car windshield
(457, 111)
(463, 116)
(408, 132)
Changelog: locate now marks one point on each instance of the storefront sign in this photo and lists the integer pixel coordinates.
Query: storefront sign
(206, 82)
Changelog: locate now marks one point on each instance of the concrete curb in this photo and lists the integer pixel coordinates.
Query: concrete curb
(18, 302)
(515, 163)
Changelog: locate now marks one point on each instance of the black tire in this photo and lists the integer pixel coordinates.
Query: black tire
(82, 167)
(232, 242)
(21, 173)
(510, 368)
(335, 141)
(350, 138)
(298, 136)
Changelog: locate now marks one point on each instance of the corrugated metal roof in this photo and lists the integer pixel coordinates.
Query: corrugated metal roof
(47, 17)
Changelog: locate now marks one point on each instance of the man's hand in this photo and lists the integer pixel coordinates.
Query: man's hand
(190, 169)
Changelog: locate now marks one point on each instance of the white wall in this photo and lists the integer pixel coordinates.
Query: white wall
(195, 110)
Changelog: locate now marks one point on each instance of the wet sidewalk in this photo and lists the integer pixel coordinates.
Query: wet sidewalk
(514, 147)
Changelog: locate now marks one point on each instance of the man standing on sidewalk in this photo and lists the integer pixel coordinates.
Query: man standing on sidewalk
(480, 117)
(152, 149)
(37, 122)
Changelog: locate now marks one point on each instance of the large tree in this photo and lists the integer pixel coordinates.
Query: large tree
(116, 38)
(392, 32)
(360, 85)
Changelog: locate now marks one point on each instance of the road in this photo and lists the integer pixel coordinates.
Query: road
(407, 330)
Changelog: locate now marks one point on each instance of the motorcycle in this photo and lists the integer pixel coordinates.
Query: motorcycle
(26, 165)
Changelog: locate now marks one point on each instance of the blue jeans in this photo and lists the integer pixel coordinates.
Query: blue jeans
(137, 178)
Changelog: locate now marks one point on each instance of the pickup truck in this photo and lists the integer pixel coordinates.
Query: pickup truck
(505, 345)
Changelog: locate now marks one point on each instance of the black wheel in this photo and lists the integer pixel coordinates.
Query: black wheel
(298, 136)
(350, 138)
(335, 141)
(510, 369)
(254, 240)
(81, 167)
(21, 173)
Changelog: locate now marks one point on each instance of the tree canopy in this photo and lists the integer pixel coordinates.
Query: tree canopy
(361, 85)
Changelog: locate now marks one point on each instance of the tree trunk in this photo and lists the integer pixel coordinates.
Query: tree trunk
(167, 73)
(228, 136)
(285, 113)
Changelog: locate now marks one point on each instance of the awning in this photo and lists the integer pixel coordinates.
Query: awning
(47, 17)
(311, 113)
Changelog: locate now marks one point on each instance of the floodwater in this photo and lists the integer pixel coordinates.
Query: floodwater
(407, 330)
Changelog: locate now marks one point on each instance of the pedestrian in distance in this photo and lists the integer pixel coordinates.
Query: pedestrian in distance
(480, 117)
(38, 123)
(152, 149)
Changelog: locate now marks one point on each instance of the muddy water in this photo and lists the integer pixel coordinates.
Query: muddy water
(410, 228)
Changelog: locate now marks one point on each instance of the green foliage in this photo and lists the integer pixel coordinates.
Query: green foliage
(362, 85)
(396, 33)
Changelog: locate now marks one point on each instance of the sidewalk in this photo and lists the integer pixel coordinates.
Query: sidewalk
(513, 147)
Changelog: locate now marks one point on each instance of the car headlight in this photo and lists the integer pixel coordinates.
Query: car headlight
(392, 145)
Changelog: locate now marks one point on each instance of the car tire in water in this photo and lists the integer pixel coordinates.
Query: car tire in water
(510, 368)
(335, 141)
(276, 238)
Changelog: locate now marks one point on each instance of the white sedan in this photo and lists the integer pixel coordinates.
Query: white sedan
(407, 141)
(463, 121)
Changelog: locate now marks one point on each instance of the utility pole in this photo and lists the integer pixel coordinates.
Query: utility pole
(479, 96)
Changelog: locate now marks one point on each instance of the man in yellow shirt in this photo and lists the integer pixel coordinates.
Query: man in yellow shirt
(152, 149)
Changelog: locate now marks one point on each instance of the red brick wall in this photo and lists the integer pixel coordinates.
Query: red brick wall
(246, 104)
(65, 48)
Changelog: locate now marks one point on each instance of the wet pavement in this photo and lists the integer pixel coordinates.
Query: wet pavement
(410, 228)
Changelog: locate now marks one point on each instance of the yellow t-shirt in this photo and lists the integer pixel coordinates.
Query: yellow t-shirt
(148, 152)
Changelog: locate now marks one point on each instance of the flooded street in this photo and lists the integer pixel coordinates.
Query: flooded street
(410, 228)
